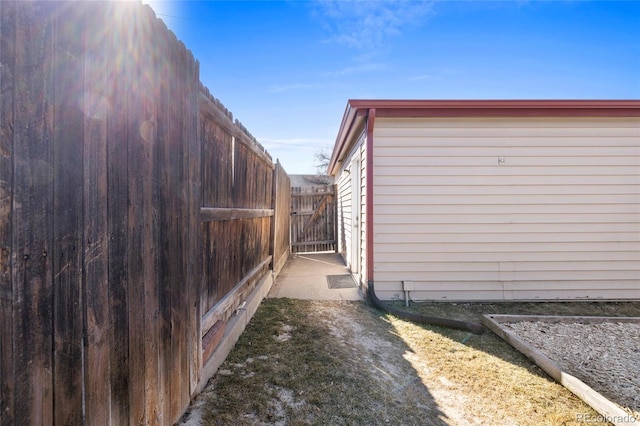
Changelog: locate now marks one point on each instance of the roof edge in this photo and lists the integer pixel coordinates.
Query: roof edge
(346, 125)
(358, 108)
(495, 103)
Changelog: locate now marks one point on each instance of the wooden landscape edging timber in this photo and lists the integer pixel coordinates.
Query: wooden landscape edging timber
(137, 218)
(224, 308)
(235, 325)
(212, 338)
(602, 405)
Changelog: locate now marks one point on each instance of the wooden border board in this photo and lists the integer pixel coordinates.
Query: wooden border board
(610, 411)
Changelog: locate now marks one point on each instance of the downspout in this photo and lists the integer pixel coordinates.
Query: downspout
(371, 119)
(473, 327)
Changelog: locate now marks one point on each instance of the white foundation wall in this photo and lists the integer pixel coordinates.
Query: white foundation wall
(507, 208)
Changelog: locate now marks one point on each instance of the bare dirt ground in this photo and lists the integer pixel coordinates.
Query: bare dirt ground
(306, 362)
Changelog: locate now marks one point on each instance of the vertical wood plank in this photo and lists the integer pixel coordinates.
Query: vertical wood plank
(183, 283)
(282, 196)
(32, 214)
(141, 128)
(273, 240)
(152, 87)
(194, 273)
(172, 190)
(170, 159)
(96, 244)
(7, 69)
(164, 138)
(176, 232)
(118, 86)
(209, 266)
(67, 213)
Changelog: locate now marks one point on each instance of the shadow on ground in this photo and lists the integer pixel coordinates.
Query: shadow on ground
(343, 363)
(513, 362)
(311, 362)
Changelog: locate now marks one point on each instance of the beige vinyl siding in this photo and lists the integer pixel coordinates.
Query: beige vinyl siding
(344, 214)
(363, 213)
(345, 210)
(507, 208)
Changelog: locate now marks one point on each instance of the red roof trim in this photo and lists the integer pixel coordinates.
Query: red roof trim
(426, 108)
(507, 112)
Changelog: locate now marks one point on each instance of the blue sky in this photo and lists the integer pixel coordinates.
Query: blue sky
(286, 69)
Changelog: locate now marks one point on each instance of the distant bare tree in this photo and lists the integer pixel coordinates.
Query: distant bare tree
(322, 158)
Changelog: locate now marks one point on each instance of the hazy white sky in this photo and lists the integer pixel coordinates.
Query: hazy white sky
(286, 69)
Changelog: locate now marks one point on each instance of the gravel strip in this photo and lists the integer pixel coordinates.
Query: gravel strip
(605, 356)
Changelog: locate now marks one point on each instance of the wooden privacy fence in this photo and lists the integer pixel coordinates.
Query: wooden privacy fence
(243, 222)
(313, 219)
(135, 215)
(282, 187)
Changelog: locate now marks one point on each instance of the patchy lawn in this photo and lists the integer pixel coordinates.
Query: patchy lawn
(344, 363)
(474, 311)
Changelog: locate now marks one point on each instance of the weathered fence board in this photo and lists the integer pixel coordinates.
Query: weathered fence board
(67, 177)
(98, 350)
(117, 194)
(32, 215)
(7, 58)
(194, 195)
(282, 218)
(237, 213)
(142, 236)
(172, 224)
(133, 210)
(313, 219)
(117, 231)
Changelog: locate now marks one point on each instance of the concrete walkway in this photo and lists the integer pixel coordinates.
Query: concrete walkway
(304, 276)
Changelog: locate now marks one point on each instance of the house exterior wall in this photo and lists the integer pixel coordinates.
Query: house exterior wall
(507, 208)
(363, 213)
(348, 214)
(343, 184)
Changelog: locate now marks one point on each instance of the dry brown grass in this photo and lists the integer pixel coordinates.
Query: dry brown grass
(304, 362)
(474, 311)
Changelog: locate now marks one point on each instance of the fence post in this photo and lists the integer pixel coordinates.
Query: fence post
(274, 219)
